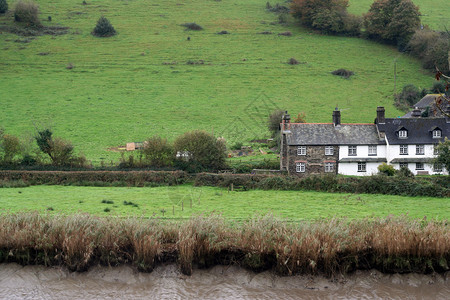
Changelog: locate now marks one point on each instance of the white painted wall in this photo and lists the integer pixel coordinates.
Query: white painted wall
(352, 169)
(362, 151)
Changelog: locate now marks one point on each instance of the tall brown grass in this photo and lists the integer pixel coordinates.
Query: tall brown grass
(393, 244)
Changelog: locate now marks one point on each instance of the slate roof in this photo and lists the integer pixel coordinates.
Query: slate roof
(419, 130)
(428, 100)
(328, 134)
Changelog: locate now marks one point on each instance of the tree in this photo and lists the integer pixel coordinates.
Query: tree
(274, 121)
(27, 12)
(158, 152)
(202, 150)
(10, 146)
(59, 151)
(443, 157)
(104, 28)
(3, 6)
(393, 21)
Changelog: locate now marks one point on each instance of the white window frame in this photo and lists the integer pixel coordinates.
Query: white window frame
(329, 167)
(420, 166)
(437, 168)
(300, 167)
(420, 150)
(301, 150)
(403, 149)
(352, 150)
(403, 164)
(403, 134)
(362, 167)
(372, 151)
(437, 134)
(329, 150)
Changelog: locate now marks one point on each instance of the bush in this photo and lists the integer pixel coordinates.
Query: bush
(404, 172)
(202, 151)
(103, 28)
(192, 26)
(27, 12)
(409, 96)
(292, 61)
(3, 6)
(10, 146)
(386, 169)
(343, 73)
(158, 152)
(393, 21)
(286, 33)
(274, 121)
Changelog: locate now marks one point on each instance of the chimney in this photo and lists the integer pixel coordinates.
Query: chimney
(416, 113)
(286, 120)
(380, 115)
(336, 117)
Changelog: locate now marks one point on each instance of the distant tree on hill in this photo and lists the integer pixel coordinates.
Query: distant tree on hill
(59, 151)
(104, 28)
(274, 121)
(27, 12)
(158, 152)
(9, 147)
(3, 6)
(393, 21)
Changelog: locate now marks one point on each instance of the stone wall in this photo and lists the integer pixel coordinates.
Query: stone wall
(315, 159)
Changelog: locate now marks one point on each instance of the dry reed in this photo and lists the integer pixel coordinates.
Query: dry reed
(393, 244)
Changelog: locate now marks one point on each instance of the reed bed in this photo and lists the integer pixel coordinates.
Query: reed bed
(332, 246)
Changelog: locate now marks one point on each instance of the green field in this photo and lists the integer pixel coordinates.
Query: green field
(186, 201)
(138, 83)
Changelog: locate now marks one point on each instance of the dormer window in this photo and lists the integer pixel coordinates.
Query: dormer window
(403, 134)
(437, 133)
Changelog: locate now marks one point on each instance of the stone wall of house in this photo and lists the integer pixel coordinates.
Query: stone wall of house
(315, 159)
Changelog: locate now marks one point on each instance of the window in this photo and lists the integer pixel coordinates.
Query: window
(435, 150)
(437, 167)
(329, 150)
(329, 167)
(419, 166)
(420, 150)
(361, 167)
(373, 150)
(301, 150)
(351, 150)
(403, 165)
(403, 149)
(437, 134)
(300, 167)
(403, 134)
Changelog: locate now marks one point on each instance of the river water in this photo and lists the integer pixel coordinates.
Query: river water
(220, 282)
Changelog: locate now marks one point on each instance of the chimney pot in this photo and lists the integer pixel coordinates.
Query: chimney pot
(416, 113)
(337, 117)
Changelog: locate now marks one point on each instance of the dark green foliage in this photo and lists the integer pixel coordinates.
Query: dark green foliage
(198, 150)
(158, 152)
(192, 26)
(274, 121)
(107, 201)
(393, 21)
(432, 48)
(103, 28)
(386, 169)
(3, 6)
(328, 16)
(438, 88)
(27, 12)
(443, 157)
(409, 96)
(59, 151)
(9, 147)
(404, 172)
(343, 73)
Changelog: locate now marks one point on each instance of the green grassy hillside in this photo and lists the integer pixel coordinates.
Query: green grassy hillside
(139, 83)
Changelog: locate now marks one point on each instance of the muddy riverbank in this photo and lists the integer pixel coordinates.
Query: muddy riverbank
(219, 282)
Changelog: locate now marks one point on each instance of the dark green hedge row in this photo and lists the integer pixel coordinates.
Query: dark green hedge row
(96, 178)
(417, 186)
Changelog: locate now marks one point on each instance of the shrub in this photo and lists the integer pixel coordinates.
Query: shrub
(409, 96)
(192, 26)
(343, 73)
(10, 146)
(103, 28)
(27, 12)
(404, 172)
(393, 21)
(3, 6)
(203, 151)
(274, 121)
(158, 152)
(386, 169)
(443, 158)
(223, 32)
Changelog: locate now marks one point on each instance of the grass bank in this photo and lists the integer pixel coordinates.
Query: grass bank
(328, 246)
(149, 79)
(182, 202)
